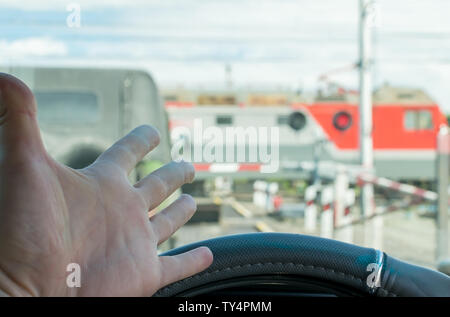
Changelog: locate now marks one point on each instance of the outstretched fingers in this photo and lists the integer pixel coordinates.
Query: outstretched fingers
(132, 148)
(158, 185)
(181, 266)
(170, 219)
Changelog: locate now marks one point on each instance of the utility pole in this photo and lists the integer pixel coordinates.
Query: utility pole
(365, 102)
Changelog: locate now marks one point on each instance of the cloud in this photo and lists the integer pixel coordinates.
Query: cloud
(32, 47)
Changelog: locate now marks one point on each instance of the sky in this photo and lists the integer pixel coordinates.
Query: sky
(268, 43)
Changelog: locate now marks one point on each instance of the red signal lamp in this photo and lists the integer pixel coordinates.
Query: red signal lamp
(342, 120)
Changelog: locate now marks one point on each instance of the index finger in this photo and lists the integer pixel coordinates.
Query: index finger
(132, 148)
(159, 184)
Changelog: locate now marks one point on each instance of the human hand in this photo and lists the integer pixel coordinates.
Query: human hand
(52, 215)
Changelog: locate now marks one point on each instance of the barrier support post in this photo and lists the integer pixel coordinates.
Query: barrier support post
(340, 194)
(311, 209)
(326, 215)
(442, 175)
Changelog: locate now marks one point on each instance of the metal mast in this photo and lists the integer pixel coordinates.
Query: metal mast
(365, 102)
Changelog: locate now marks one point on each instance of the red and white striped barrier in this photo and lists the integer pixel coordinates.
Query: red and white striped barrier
(382, 210)
(228, 167)
(357, 174)
(403, 188)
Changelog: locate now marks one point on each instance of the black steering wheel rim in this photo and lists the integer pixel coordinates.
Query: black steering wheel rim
(341, 269)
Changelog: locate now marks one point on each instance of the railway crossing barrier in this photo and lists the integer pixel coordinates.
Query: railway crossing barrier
(359, 176)
(331, 204)
(365, 178)
(336, 201)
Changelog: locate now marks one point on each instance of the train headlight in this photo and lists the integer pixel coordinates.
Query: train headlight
(342, 120)
(297, 120)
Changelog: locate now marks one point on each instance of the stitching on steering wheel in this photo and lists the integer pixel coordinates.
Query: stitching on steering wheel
(167, 288)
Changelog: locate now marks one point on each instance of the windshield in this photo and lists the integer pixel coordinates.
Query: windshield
(298, 116)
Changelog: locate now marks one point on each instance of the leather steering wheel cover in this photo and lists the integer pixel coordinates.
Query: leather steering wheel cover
(333, 261)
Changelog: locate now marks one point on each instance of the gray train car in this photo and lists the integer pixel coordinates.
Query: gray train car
(82, 111)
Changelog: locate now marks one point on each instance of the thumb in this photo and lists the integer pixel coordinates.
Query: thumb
(19, 130)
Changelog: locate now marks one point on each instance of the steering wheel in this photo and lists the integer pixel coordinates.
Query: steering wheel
(280, 264)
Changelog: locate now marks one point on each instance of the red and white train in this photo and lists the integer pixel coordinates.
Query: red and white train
(405, 126)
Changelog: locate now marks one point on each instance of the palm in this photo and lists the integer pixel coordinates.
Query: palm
(51, 215)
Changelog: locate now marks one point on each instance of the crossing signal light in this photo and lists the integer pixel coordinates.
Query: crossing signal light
(297, 120)
(342, 120)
